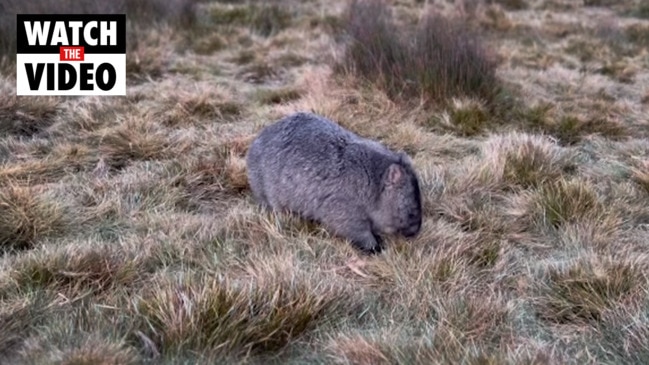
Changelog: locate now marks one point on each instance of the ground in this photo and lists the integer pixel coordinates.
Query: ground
(128, 233)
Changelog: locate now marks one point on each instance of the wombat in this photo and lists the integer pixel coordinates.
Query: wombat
(307, 164)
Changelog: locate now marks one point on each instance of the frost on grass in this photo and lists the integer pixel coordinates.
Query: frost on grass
(136, 138)
(262, 314)
(73, 270)
(26, 116)
(584, 290)
(27, 216)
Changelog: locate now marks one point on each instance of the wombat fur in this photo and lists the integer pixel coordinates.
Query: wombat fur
(307, 164)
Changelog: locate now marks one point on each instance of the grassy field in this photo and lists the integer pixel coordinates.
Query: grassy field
(128, 234)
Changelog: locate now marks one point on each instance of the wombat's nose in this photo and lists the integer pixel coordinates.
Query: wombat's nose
(411, 231)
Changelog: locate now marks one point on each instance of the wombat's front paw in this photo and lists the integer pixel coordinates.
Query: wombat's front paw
(371, 246)
(373, 250)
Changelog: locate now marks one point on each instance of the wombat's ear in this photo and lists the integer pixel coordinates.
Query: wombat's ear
(395, 174)
(403, 156)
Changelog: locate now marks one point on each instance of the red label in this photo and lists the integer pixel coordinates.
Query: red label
(71, 53)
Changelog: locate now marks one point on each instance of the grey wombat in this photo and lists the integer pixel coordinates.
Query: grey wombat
(307, 164)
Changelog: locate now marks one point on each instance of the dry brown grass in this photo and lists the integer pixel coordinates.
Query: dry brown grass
(437, 60)
(27, 117)
(128, 234)
(27, 217)
(263, 313)
(584, 290)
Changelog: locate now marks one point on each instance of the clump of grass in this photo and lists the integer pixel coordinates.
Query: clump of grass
(27, 116)
(356, 349)
(264, 19)
(257, 72)
(562, 201)
(599, 2)
(270, 19)
(26, 217)
(148, 55)
(567, 129)
(236, 317)
(437, 60)
(212, 179)
(87, 349)
(619, 71)
(570, 129)
(511, 4)
(623, 333)
(62, 160)
(640, 175)
(277, 96)
(77, 269)
(16, 317)
(638, 34)
(431, 344)
(238, 145)
(473, 211)
(641, 11)
(178, 13)
(208, 44)
(483, 254)
(466, 117)
(136, 138)
(195, 109)
(532, 163)
(583, 290)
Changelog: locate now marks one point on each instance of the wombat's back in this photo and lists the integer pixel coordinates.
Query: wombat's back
(310, 165)
(301, 159)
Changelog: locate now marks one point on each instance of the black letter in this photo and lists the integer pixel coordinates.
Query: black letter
(50, 76)
(112, 76)
(34, 79)
(85, 76)
(66, 68)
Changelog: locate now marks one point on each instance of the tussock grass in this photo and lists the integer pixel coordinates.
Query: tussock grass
(136, 138)
(568, 129)
(148, 55)
(512, 4)
(436, 60)
(178, 13)
(189, 108)
(258, 315)
(583, 290)
(27, 216)
(206, 181)
(278, 96)
(640, 175)
(63, 159)
(528, 161)
(264, 19)
(565, 201)
(399, 346)
(26, 116)
(91, 349)
(16, 318)
(623, 332)
(466, 117)
(557, 203)
(93, 269)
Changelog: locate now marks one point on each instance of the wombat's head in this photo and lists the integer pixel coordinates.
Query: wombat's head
(399, 205)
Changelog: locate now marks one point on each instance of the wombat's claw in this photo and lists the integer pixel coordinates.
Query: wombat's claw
(372, 251)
